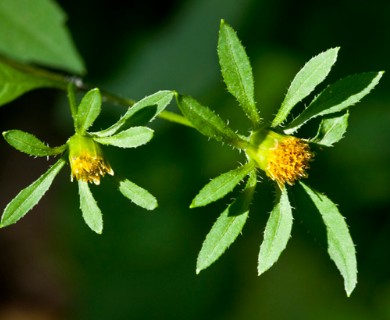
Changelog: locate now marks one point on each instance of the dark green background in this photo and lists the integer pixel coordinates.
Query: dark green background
(143, 266)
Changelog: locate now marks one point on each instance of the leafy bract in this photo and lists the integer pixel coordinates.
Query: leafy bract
(312, 74)
(14, 83)
(30, 196)
(237, 71)
(89, 208)
(88, 110)
(28, 143)
(277, 232)
(152, 105)
(130, 138)
(227, 227)
(35, 31)
(138, 195)
(221, 185)
(331, 130)
(340, 246)
(206, 121)
(337, 97)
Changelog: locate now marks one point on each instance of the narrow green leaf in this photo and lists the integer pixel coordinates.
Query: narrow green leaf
(138, 195)
(28, 143)
(140, 113)
(130, 138)
(277, 232)
(312, 74)
(207, 122)
(89, 208)
(14, 83)
(88, 110)
(237, 71)
(331, 130)
(36, 32)
(30, 196)
(221, 185)
(227, 227)
(340, 246)
(337, 97)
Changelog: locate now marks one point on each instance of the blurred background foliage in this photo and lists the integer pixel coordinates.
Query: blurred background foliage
(143, 266)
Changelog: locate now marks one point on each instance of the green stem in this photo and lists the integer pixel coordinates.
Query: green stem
(174, 117)
(72, 101)
(69, 83)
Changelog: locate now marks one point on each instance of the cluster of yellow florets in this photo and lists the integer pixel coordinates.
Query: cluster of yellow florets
(284, 159)
(86, 160)
(89, 168)
(288, 161)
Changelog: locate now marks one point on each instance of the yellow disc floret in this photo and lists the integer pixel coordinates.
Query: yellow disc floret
(284, 159)
(86, 160)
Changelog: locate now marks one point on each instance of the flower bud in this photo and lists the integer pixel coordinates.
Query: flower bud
(86, 160)
(284, 159)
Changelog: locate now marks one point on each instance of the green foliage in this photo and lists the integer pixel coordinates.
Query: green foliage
(30, 196)
(331, 130)
(140, 113)
(311, 75)
(38, 35)
(28, 143)
(91, 212)
(36, 32)
(88, 110)
(337, 97)
(277, 232)
(340, 246)
(207, 122)
(85, 156)
(130, 138)
(221, 186)
(227, 228)
(14, 83)
(138, 195)
(236, 71)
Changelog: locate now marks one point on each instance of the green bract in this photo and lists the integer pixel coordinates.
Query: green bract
(85, 155)
(283, 158)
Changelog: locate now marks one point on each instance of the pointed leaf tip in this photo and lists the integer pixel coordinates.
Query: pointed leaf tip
(227, 227)
(276, 234)
(237, 71)
(341, 248)
(306, 80)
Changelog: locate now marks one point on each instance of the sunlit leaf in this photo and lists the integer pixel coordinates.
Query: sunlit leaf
(331, 130)
(130, 138)
(340, 246)
(236, 70)
(221, 186)
(140, 113)
(277, 232)
(206, 121)
(337, 97)
(30, 196)
(14, 83)
(227, 227)
(88, 110)
(138, 195)
(89, 208)
(28, 143)
(35, 31)
(312, 74)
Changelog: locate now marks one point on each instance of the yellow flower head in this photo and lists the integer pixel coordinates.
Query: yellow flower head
(86, 160)
(284, 159)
